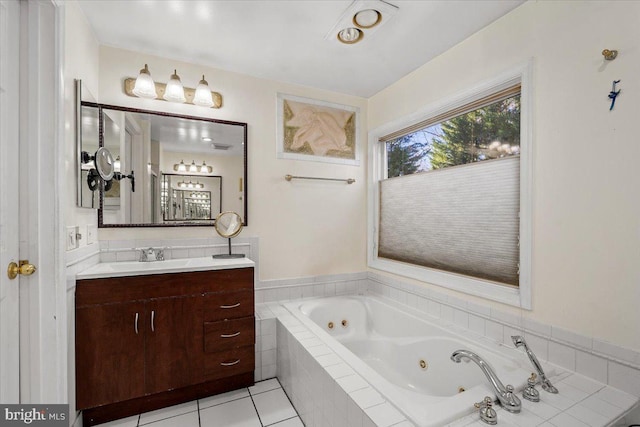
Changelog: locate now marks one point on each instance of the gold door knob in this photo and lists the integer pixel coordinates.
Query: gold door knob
(24, 269)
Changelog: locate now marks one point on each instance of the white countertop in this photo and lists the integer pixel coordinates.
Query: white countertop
(135, 268)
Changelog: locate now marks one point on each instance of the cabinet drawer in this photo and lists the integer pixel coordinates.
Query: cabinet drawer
(228, 305)
(227, 334)
(228, 363)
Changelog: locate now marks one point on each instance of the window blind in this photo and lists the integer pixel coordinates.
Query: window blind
(462, 219)
(449, 114)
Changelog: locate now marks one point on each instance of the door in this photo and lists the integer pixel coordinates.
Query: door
(110, 341)
(9, 239)
(174, 343)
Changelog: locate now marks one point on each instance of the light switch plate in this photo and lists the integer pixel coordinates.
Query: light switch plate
(92, 234)
(70, 238)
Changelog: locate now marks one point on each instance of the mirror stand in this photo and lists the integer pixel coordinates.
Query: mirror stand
(229, 255)
(228, 224)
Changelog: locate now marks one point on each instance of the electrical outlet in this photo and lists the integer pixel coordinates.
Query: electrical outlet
(92, 234)
(72, 241)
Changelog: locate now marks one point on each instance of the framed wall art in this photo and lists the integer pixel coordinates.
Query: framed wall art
(309, 129)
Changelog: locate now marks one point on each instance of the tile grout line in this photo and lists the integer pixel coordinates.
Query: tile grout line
(255, 408)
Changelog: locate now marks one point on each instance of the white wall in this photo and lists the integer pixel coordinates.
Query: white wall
(586, 214)
(305, 228)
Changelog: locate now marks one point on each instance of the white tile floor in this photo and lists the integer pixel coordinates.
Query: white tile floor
(264, 404)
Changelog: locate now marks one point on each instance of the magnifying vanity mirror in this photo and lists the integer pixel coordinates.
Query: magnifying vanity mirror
(167, 169)
(228, 225)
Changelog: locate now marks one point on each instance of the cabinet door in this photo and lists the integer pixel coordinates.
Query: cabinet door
(174, 335)
(109, 353)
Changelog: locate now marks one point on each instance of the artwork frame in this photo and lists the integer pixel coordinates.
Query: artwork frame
(314, 130)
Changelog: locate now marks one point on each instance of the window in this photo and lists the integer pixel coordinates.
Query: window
(449, 194)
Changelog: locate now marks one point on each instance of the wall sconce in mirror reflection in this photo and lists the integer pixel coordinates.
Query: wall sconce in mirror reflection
(103, 168)
(144, 87)
(192, 168)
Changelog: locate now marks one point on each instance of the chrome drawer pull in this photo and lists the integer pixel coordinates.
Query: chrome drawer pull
(229, 335)
(136, 324)
(153, 316)
(230, 363)
(230, 306)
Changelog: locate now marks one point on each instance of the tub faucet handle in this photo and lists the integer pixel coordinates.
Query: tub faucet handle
(487, 413)
(530, 393)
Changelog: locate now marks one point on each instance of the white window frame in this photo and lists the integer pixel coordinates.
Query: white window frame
(520, 296)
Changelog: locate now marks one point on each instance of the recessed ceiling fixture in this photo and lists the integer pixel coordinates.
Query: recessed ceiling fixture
(207, 139)
(362, 17)
(367, 18)
(350, 35)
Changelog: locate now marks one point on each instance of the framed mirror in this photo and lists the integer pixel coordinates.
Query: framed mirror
(170, 170)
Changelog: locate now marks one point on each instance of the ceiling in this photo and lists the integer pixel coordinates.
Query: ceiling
(288, 40)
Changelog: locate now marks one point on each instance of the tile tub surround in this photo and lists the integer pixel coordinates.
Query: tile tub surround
(604, 362)
(328, 392)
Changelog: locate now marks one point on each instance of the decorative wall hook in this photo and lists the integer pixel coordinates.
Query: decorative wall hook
(609, 55)
(613, 94)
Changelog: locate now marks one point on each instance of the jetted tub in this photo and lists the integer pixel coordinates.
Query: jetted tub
(407, 359)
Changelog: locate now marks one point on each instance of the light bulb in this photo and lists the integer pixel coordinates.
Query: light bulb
(174, 92)
(181, 167)
(193, 167)
(145, 87)
(203, 95)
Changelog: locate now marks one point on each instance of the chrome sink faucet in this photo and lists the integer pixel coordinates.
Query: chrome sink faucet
(506, 396)
(519, 341)
(151, 254)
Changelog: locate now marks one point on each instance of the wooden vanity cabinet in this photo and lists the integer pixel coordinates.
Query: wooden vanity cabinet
(145, 342)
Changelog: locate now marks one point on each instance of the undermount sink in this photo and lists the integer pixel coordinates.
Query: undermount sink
(152, 265)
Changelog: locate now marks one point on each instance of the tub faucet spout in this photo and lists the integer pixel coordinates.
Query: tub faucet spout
(506, 396)
(519, 341)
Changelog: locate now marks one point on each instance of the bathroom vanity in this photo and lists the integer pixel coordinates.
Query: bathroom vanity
(155, 336)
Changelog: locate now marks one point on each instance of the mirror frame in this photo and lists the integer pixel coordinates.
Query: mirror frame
(100, 107)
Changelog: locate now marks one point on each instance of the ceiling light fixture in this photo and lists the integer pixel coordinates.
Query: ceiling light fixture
(144, 87)
(367, 18)
(207, 139)
(174, 92)
(360, 18)
(203, 95)
(350, 35)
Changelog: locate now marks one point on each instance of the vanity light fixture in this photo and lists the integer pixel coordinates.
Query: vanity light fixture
(192, 168)
(203, 95)
(145, 87)
(174, 91)
(190, 185)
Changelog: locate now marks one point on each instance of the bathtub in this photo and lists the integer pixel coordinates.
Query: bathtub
(406, 358)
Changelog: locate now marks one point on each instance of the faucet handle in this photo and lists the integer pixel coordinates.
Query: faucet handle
(530, 393)
(487, 413)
